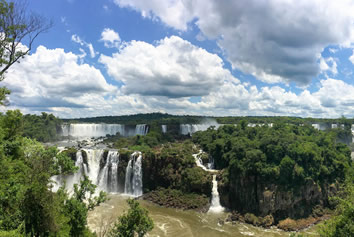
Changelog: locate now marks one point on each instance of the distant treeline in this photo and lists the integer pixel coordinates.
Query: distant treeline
(163, 118)
(141, 119)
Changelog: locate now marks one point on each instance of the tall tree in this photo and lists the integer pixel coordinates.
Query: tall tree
(18, 30)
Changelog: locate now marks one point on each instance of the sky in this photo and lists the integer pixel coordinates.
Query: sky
(199, 57)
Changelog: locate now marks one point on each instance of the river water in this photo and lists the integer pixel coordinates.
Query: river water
(172, 222)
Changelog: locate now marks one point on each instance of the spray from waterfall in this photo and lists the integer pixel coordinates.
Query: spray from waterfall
(189, 129)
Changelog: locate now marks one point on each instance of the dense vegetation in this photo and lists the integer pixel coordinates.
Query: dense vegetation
(43, 128)
(27, 205)
(135, 222)
(285, 154)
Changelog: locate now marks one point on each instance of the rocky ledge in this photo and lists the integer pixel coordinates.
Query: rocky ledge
(177, 199)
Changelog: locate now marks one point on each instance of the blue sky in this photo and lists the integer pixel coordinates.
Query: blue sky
(115, 57)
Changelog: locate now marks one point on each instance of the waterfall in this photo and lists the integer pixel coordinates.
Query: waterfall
(164, 128)
(103, 173)
(83, 166)
(211, 163)
(141, 129)
(88, 130)
(215, 200)
(133, 176)
(189, 129)
(199, 162)
(108, 176)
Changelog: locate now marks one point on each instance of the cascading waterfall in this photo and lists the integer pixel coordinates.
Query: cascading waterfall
(133, 176)
(102, 173)
(199, 162)
(141, 129)
(83, 166)
(164, 128)
(108, 176)
(215, 206)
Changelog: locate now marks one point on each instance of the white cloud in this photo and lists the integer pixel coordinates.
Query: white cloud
(75, 38)
(328, 65)
(351, 58)
(333, 99)
(172, 68)
(110, 38)
(275, 40)
(175, 13)
(54, 79)
(160, 77)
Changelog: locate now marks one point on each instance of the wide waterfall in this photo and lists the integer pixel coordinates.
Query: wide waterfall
(88, 130)
(102, 169)
(215, 199)
(133, 176)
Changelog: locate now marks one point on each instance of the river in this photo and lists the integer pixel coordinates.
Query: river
(172, 222)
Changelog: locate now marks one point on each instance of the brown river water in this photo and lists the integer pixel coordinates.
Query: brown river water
(173, 222)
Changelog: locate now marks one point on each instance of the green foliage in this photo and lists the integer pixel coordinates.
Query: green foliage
(177, 199)
(27, 205)
(342, 223)
(172, 166)
(77, 206)
(43, 128)
(134, 222)
(285, 154)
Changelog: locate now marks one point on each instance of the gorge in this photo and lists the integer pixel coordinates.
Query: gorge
(197, 162)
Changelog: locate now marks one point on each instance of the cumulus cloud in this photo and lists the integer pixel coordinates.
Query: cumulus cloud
(276, 41)
(172, 68)
(175, 13)
(53, 78)
(54, 81)
(328, 65)
(110, 38)
(77, 39)
(333, 99)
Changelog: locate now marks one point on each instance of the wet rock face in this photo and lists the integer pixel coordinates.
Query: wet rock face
(248, 196)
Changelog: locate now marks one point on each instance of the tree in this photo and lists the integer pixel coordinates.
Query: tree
(18, 30)
(342, 223)
(135, 221)
(80, 203)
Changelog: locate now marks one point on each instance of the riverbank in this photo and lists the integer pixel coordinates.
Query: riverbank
(169, 198)
(174, 222)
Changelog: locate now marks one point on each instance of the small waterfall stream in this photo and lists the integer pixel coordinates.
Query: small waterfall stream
(164, 128)
(215, 206)
(133, 176)
(215, 200)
